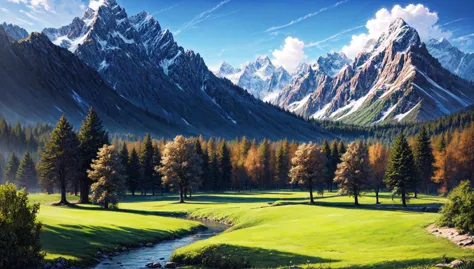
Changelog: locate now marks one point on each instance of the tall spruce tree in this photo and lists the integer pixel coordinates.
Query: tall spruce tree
(11, 168)
(59, 158)
(401, 172)
(282, 166)
(91, 137)
(326, 149)
(265, 177)
(124, 155)
(202, 153)
(156, 182)
(146, 163)
(133, 172)
(212, 181)
(424, 160)
(225, 166)
(26, 174)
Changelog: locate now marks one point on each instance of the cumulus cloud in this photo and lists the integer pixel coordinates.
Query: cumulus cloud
(418, 16)
(290, 55)
(95, 4)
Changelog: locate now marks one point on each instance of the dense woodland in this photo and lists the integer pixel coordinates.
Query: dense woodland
(436, 156)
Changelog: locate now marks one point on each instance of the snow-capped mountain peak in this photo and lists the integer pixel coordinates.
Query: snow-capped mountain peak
(451, 58)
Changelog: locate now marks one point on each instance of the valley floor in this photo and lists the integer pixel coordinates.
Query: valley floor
(271, 229)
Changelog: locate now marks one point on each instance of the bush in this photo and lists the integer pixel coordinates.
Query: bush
(19, 230)
(458, 212)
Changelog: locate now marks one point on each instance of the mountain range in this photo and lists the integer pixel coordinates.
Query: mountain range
(395, 80)
(265, 81)
(451, 58)
(137, 78)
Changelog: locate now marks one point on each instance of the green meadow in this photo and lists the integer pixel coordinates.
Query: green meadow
(270, 229)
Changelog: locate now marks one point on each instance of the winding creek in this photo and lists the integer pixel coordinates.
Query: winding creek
(138, 258)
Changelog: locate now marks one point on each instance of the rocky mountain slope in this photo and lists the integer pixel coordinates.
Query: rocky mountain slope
(39, 82)
(453, 59)
(14, 31)
(397, 80)
(142, 62)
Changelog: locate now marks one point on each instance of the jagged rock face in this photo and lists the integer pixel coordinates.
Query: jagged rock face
(332, 63)
(453, 59)
(396, 80)
(14, 32)
(144, 64)
(40, 82)
(260, 78)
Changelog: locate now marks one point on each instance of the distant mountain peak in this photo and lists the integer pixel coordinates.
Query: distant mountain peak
(15, 32)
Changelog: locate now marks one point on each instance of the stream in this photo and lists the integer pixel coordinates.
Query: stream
(138, 258)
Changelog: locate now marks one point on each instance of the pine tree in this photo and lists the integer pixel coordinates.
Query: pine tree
(146, 163)
(91, 137)
(225, 166)
(107, 175)
(282, 167)
(180, 165)
(133, 172)
(59, 158)
(265, 177)
(213, 166)
(334, 160)
(309, 167)
(401, 171)
(341, 148)
(26, 174)
(352, 174)
(2, 169)
(326, 149)
(424, 160)
(124, 156)
(11, 168)
(156, 182)
(205, 163)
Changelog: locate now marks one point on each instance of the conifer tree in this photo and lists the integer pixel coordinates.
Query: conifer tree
(225, 166)
(26, 174)
(107, 175)
(2, 169)
(146, 163)
(11, 168)
(265, 177)
(326, 149)
(401, 170)
(352, 174)
(282, 167)
(203, 154)
(424, 160)
(213, 166)
(180, 165)
(124, 156)
(91, 137)
(341, 148)
(59, 158)
(156, 182)
(335, 159)
(133, 172)
(309, 167)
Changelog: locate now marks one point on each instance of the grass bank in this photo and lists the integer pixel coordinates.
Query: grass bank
(78, 233)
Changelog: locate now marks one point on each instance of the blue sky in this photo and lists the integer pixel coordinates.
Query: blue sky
(239, 30)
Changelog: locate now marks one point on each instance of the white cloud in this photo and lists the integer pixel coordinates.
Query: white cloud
(4, 9)
(291, 55)
(47, 5)
(95, 4)
(418, 16)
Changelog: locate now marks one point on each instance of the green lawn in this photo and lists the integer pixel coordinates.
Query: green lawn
(78, 233)
(265, 235)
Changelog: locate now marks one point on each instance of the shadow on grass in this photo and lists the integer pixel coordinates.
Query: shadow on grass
(231, 256)
(398, 264)
(417, 208)
(83, 241)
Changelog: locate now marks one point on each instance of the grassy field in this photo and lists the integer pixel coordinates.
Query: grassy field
(264, 234)
(78, 233)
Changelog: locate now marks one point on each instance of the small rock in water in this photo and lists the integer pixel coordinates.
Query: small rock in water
(153, 265)
(149, 245)
(124, 249)
(162, 258)
(170, 265)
